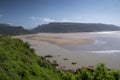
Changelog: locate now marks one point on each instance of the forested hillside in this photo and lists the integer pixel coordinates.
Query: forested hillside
(63, 27)
(19, 62)
(6, 29)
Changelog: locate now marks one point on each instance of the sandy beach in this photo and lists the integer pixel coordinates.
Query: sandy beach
(61, 41)
(48, 44)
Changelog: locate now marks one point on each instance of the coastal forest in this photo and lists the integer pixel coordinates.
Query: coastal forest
(67, 27)
(7, 30)
(19, 62)
(57, 27)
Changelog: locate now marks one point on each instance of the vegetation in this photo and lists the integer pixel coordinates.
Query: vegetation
(19, 62)
(57, 27)
(6, 29)
(74, 27)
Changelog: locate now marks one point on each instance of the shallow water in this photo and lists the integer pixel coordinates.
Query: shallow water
(101, 44)
(84, 55)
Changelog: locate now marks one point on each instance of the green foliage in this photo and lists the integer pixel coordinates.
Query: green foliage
(19, 62)
(86, 75)
(116, 74)
(67, 27)
(6, 30)
(102, 73)
(67, 76)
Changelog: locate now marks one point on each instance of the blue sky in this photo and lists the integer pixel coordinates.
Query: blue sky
(30, 13)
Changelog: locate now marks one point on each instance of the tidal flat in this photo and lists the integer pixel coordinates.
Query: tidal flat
(68, 48)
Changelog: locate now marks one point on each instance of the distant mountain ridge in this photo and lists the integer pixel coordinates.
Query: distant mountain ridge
(66, 27)
(58, 27)
(6, 29)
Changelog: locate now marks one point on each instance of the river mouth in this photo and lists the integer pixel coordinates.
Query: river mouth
(100, 45)
(106, 43)
(95, 42)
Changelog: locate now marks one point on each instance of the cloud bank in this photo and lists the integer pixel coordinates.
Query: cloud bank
(48, 20)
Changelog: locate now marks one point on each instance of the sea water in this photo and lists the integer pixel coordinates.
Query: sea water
(100, 45)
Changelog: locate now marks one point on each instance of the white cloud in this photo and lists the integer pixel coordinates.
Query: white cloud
(42, 20)
(47, 20)
(33, 18)
(65, 20)
(79, 19)
(76, 19)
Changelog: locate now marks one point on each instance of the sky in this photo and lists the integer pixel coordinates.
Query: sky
(30, 13)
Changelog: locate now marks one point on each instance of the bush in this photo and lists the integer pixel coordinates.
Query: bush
(19, 62)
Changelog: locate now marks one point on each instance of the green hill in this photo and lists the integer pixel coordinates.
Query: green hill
(64, 27)
(19, 62)
(6, 29)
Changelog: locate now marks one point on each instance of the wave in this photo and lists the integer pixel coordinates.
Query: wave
(107, 51)
(104, 32)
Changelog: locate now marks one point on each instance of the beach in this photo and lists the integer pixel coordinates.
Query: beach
(50, 44)
(61, 41)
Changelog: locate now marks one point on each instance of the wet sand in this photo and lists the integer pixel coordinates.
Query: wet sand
(61, 41)
(43, 48)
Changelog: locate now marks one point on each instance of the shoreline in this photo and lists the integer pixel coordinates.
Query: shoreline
(81, 59)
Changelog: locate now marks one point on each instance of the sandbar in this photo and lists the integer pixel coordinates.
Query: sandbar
(42, 43)
(61, 41)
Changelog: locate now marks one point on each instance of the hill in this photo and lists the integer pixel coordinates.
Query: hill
(57, 27)
(19, 62)
(6, 29)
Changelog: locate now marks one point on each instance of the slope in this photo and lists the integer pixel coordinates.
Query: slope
(6, 29)
(63, 27)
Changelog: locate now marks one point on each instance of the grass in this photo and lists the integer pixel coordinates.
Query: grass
(19, 62)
